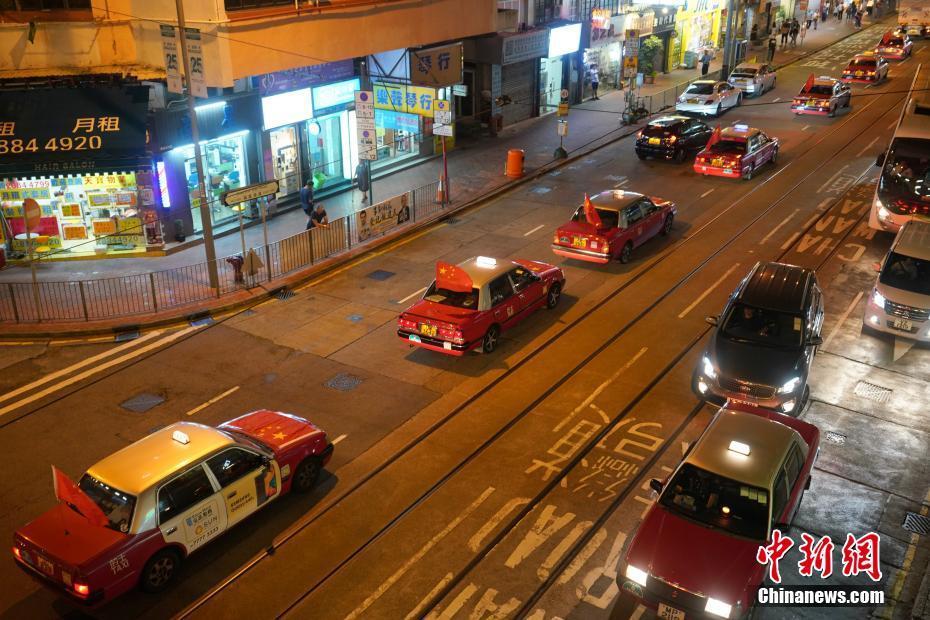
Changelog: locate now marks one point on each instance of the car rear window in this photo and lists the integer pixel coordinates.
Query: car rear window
(747, 73)
(654, 131)
(609, 218)
(728, 146)
(894, 43)
(700, 89)
(763, 326)
(718, 502)
(906, 273)
(862, 63)
(456, 299)
(116, 505)
(818, 89)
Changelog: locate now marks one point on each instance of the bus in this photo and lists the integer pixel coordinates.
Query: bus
(903, 190)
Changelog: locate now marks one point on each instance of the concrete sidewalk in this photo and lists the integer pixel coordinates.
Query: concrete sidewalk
(476, 168)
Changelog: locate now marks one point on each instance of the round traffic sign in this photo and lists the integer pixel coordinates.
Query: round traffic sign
(564, 93)
(32, 212)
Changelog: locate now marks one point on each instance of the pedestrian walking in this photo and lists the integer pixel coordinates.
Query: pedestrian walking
(816, 17)
(795, 30)
(772, 46)
(809, 20)
(869, 6)
(802, 33)
(361, 177)
(318, 217)
(858, 19)
(306, 197)
(595, 80)
(785, 31)
(824, 14)
(705, 61)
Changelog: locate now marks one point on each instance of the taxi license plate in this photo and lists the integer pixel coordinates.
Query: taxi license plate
(427, 330)
(716, 162)
(693, 101)
(670, 613)
(655, 141)
(858, 73)
(812, 103)
(413, 338)
(579, 242)
(903, 324)
(45, 566)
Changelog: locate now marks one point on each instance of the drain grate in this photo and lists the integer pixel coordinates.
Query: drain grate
(284, 294)
(919, 524)
(206, 320)
(355, 318)
(381, 275)
(344, 382)
(871, 391)
(126, 336)
(142, 402)
(835, 438)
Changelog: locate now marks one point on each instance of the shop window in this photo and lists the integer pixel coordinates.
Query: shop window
(285, 153)
(327, 144)
(224, 168)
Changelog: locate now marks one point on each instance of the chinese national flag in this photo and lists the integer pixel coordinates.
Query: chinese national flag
(590, 213)
(714, 137)
(886, 38)
(69, 493)
(809, 84)
(453, 278)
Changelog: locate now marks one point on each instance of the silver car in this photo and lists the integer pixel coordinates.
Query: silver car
(753, 78)
(709, 97)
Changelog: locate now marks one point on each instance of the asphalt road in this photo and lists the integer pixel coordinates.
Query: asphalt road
(507, 484)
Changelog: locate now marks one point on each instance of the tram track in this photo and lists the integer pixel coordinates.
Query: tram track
(679, 246)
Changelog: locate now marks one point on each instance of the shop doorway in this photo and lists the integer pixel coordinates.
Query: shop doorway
(285, 152)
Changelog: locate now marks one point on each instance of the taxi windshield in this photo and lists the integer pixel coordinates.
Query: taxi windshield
(116, 505)
(820, 89)
(700, 89)
(905, 180)
(467, 301)
(728, 146)
(906, 273)
(763, 326)
(718, 502)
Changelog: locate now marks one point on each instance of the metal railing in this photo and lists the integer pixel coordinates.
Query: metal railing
(146, 293)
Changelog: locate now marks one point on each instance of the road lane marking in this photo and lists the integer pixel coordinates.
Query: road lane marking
(777, 228)
(805, 127)
(213, 400)
(91, 372)
(843, 317)
(27, 343)
(527, 234)
(90, 360)
(901, 575)
(708, 291)
(892, 125)
(707, 193)
(400, 572)
(622, 183)
(597, 391)
(338, 439)
(638, 612)
(412, 295)
(417, 611)
(870, 145)
(776, 99)
(70, 341)
(831, 179)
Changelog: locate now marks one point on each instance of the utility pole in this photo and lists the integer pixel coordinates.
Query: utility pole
(206, 218)
(729, 45)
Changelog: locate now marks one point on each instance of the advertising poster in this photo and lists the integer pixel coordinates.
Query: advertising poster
(378, 219)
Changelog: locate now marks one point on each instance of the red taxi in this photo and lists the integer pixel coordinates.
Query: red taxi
(468, 305)
(866, 68)
(611, 225)
(694, 554)
(823, 95)
(135, 515)
(736, 152)
(895, 45)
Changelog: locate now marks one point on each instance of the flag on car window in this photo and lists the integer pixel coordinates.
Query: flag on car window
(453, 278)
(809, 84)
(69, 493)
(590, 213)
(714, 137)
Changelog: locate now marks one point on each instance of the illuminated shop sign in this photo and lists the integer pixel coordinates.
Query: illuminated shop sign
(564, 40)
(287, 108)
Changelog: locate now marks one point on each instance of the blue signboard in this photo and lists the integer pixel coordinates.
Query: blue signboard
(334, 97)
(386, 119)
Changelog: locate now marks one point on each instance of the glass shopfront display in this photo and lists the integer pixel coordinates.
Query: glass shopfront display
(398, 135)
(285, 153)
(82, 214)
(327, 149)
(224, 168)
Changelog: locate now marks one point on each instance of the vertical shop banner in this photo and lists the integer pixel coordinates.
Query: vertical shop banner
(365, 125)
(197, 78)
(169, 44)
(437, 66)
(443, 124)
(382, 217)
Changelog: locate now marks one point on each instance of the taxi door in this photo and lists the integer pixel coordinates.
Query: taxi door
(505, 304)
(190, 511)
(653, 217)
(635, 225)
(247, 481)
(765, 148)
(528, 287)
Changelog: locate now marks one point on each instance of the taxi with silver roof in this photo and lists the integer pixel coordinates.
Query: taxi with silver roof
(736, 152)
(469, 305)
(895, 45)
(867, 68)
(709, 97)
(694, 554)
(162, 498)
(611, 224)
(822, 96)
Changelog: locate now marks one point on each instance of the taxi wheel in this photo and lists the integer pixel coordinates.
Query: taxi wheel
(667, 225)
(774, 159)
(640, 155)
(680, 155)
(306, 475)
(491, 338)
(748, 174)
(717, 112)
(555, 294)
(626, 253)
(160, 570)
(832, 112)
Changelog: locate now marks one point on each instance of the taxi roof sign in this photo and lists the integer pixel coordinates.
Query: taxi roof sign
(739, 447)
(741, 127)
(181, 437)
(484, 261)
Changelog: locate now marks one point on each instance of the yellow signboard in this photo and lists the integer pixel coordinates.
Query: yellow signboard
(407, 99)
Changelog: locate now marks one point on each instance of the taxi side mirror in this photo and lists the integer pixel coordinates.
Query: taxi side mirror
(656, 485)
(881, 158)
(711, 320)
(877, 266)
(815, 341)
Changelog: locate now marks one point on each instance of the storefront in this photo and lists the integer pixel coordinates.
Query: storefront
(699, 26)
(555, 70)
(403, 121)
(604, 51)
(664, 28)
(81, 155)
(230, 148)
(330, 144)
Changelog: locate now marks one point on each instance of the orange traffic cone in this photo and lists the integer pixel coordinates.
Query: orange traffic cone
(440, 191)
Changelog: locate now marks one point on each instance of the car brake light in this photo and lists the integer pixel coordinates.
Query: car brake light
(639, 134)
(81, 589)
(672, 139)
(17, 553)
(871, 73)
(555, 238)
(407, 323)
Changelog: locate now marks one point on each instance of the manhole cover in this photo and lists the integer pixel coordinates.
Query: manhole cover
(206, 320)
(542, 189)
(284, 294)
(126, 336)
(142, 402)
(344, 382)
(916, 523)
(835, 438)
(381, 275)
(871, 391)
(355, 318)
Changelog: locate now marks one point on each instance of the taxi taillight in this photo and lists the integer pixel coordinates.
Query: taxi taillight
(406, 323)
(17, 553)
(555, 237)
(452, 334)
(81, 589)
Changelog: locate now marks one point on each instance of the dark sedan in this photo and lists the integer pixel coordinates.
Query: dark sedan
(672, 137)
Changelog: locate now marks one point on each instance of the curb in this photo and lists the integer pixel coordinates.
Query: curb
(248, 298)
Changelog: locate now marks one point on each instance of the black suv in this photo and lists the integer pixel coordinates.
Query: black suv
(672, 137)
(765, 341)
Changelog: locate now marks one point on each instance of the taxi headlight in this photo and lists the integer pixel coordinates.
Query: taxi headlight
(790, 385)
(883, 213)
(718, 608)
(636, 575)
(709, 371)
(877, 298)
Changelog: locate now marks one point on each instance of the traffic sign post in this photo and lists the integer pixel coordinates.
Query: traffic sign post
(443, 126)
(236, 198)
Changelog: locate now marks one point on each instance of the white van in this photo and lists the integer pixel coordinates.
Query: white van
(900, 301)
